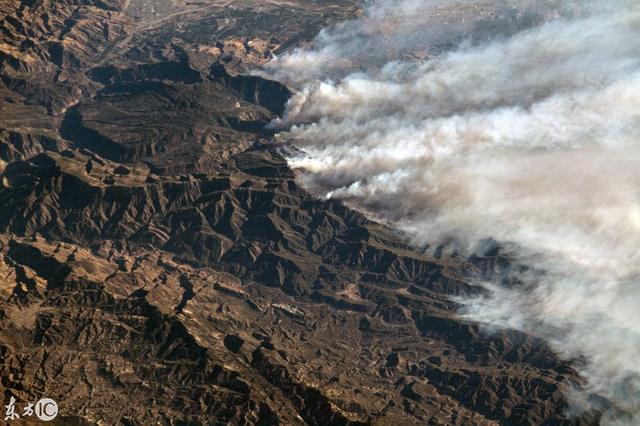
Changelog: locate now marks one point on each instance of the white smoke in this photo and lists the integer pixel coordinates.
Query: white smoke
(411, 29)
(515, 121)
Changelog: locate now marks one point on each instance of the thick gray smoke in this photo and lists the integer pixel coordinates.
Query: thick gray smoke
(412, 30)
(517, 121)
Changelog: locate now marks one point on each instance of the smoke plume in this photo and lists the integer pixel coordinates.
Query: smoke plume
(514, 121)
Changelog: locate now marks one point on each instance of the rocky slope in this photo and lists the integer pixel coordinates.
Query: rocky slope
(161, 265)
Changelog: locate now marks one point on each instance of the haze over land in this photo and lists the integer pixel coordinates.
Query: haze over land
(472, 122)
(161, 263)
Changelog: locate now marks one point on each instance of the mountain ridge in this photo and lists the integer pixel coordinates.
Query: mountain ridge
(160, 262)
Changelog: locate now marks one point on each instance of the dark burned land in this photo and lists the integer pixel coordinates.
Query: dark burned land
(160, 265)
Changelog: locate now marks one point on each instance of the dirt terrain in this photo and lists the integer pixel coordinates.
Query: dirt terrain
(159, 264)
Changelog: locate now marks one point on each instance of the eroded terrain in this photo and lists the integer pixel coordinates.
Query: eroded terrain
(160, 264)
